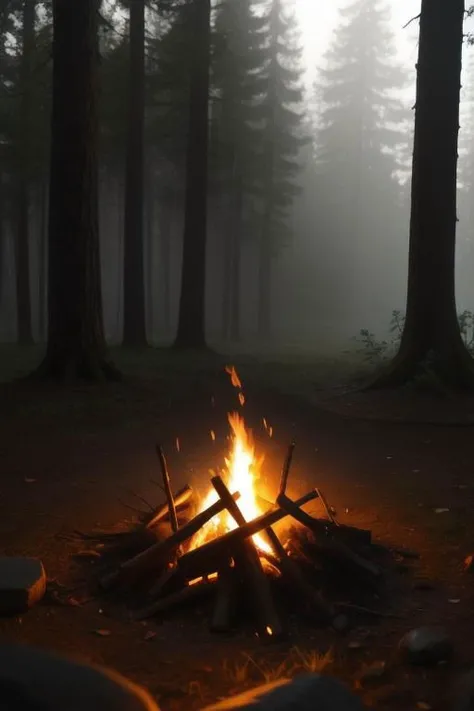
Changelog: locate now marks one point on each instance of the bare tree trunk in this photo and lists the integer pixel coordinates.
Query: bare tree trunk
(150, 238)
(166, 222)
(236, 260)
(227, 282)
(431, 337)
(134, 317)
(23, 194)
(191, 321)
(76, 343)
(42, 260)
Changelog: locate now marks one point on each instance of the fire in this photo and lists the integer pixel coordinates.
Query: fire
(241, 473)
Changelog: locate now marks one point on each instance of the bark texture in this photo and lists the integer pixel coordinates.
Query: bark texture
(134, 310)
(76, 344)
(431, 337)
(191, 319)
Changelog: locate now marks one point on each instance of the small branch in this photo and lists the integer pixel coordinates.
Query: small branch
(413, 19)
(190, 592)
(327, 508)
(286, 469)
(167, 486)
(180, 499)
(138, 497)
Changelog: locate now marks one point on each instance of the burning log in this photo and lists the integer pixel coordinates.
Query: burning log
(190, 592)
(181, 501)
(268, 618)
(212, 555)
(328, 542)
(159, 552)
(286, 469)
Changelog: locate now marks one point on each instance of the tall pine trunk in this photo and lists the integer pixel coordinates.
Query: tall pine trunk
(76, 343)
(264, 314)
(134, 313)
(23, 188)
(227, 276)
(431, 337)
(191, 320)
(3, 242)
(150, 251)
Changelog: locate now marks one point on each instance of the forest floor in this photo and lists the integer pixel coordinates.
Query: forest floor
(385, 462)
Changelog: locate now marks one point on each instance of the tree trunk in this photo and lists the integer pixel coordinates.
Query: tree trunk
(23, 190)
(76, 343)
(150, 238)
(431, 336)
(2, 241)
(168, 207)
(264, 323)
(42, 261)
(234, 326)
(191, 320)
(134, 316)
(227, 279)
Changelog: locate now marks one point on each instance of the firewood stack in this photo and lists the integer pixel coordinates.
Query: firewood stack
(170, 571)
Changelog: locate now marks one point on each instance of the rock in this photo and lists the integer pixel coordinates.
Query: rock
(426, 646)
(305, 693)
(22, 584)
(32, 679)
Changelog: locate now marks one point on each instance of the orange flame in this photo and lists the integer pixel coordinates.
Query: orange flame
(241, 473)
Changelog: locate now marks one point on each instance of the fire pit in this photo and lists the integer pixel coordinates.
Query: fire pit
(227, 547)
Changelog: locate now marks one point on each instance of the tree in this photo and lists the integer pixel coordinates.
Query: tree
(281, 142)
(191, 320)
(76, 344)
(360, 146)
(134, 320)
(431, 336)
(237, 85)
(23, 196)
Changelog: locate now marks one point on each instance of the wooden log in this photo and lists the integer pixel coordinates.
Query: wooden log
(286, 469)
(267, 617)
(159, 552)
(190, 592)
(327, 541)
(289, 569)
(224, 607)
(167, 488)
(181, 501)
(213, 555)
(166, 576)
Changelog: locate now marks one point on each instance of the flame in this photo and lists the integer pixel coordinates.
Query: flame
(241, 473)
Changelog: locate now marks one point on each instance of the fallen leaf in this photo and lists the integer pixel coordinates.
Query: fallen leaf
(29, 481)
(103, 633)
(149, 636)
(354, 645)
(454, 601)
(87, 554)
(423, 705)
(440, 511)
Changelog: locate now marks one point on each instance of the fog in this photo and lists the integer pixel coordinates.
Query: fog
(340, 263)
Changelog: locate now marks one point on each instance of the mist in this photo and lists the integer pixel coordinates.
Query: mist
(339, 223)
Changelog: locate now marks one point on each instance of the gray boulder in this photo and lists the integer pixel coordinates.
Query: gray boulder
(426, 646)
(22, 584)
(36, 680)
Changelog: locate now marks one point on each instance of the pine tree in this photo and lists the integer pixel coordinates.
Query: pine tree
(238, 55)
(282, 138)
(76, 344)
(360, 140)
(134, 321)
(431, 338)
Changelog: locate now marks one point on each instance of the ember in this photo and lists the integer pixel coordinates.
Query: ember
(229, 549)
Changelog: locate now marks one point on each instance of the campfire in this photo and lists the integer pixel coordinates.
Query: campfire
(226, 547)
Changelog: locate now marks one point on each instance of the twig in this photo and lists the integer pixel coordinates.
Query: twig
(157, 483)
(180, 499)
(168, 492)
(417, 17)
(327, 508)
(138, 497)
(128, 506)
(286, 469)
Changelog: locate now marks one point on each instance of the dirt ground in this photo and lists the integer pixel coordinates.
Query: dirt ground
(69, 457)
